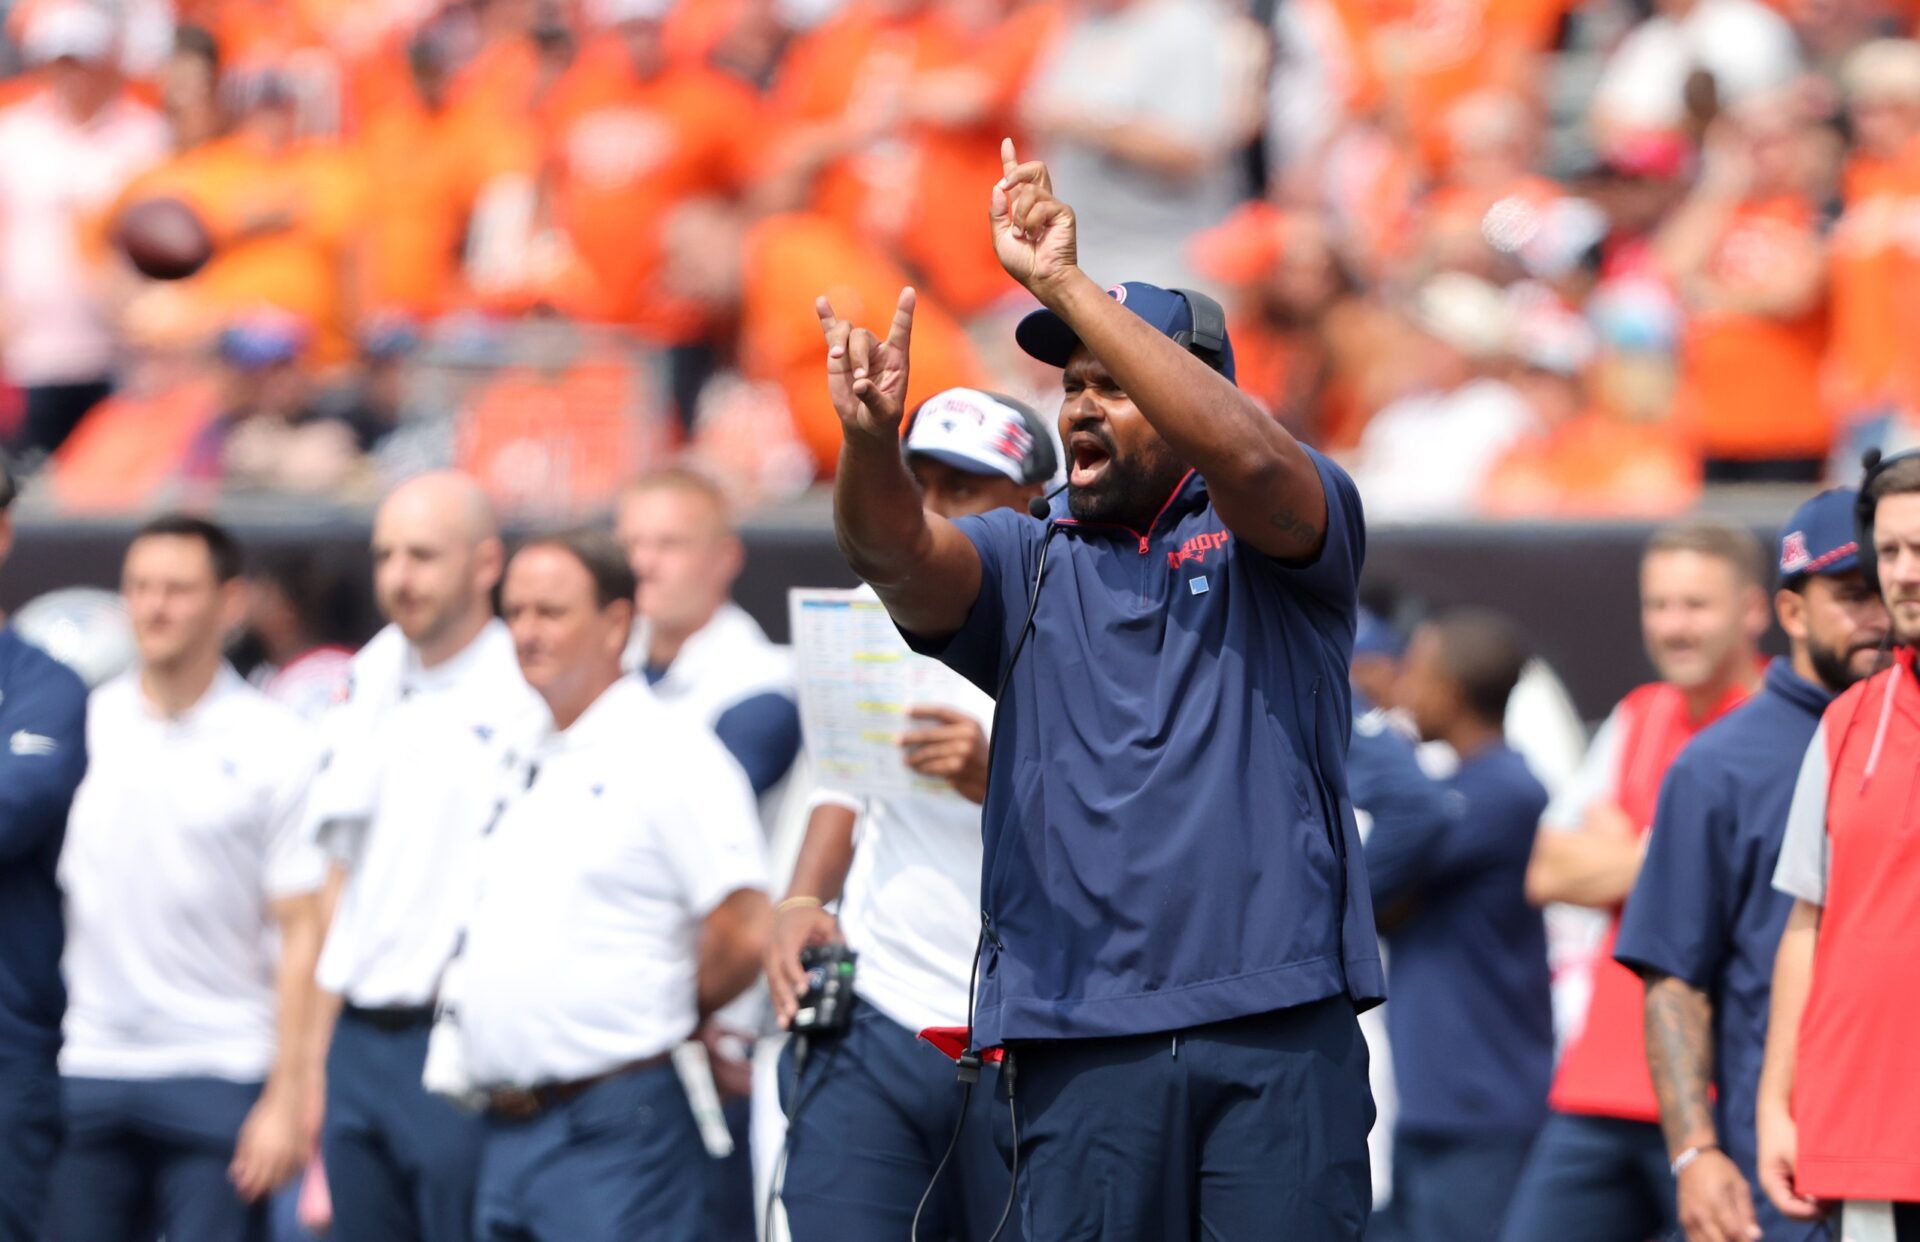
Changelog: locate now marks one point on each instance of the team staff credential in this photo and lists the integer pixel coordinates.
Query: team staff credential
(1599, 1170)
(880, 1105)
(1704, 919)
(43, 755)
(621, 899)
(1176, 928)
(187, 1076)
(1839, 1110)
(400, 810)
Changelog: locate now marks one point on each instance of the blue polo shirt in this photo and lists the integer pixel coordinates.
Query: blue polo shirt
(1168, 835)
(43, 755)
(1704, 908)
(1471, 1022)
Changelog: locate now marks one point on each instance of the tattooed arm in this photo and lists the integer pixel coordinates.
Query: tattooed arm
(1716, 1204)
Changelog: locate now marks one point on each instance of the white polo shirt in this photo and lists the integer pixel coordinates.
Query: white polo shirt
(182, 833)
(410, 782)
(911, 903)
(617, 837)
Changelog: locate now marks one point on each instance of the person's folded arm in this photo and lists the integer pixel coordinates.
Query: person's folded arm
(1262, 482)
(923, 568)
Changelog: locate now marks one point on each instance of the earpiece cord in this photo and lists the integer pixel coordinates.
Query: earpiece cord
(970, 1061)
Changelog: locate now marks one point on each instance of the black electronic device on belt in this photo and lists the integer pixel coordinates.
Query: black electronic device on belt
(827, 1006)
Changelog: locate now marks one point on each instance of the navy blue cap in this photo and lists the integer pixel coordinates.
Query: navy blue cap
(1374, 635)
(1046, 336)
(1819, 538)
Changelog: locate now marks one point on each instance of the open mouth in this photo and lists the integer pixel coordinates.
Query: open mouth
(1089, 459)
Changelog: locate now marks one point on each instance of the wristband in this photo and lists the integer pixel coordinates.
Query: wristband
(796, 903)
(1691, 1154)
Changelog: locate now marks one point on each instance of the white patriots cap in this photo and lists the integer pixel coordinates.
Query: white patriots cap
(979, 433)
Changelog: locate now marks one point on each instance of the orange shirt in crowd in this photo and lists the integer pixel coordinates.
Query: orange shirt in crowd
(130, 445)
(1414, 59)
(282, 222)
(624, 151)
(918, 185)
(1874, 275)
(1594, 466)
(428, 167)
(559, 440)
(789, 261)
(502, 78)
(1750, 384)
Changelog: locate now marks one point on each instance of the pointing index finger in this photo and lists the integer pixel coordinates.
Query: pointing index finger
(1008, 160)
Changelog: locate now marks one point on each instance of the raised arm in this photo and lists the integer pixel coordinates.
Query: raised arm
(925, 571)
(1264, 485)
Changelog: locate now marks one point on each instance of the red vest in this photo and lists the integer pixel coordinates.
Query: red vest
(1856, 1093)
(1603, 1071)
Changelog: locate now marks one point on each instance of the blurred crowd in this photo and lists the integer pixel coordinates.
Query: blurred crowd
(1509, 257)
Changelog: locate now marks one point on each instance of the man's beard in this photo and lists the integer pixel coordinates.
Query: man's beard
(1834, 665)
(1130, 491)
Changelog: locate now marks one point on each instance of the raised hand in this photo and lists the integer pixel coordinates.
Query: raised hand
(1033, 232)
(866, 376)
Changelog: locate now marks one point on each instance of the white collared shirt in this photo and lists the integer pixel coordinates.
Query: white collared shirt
(616, 839)
(410, 782)
(725, 662)
(182, 833)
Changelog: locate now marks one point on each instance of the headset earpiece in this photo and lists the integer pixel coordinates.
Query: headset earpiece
(1208, 338)
(1874, 464)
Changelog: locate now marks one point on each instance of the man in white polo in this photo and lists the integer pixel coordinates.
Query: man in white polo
(186, 1072)
(400, 807)
(621, 898)
(880, 1111)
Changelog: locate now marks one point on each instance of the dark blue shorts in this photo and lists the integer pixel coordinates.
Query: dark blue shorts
(29, 1138)
(621, 1162)
(1594, 1179)
(1231, 1132)
(878, 1108)
(400, 1160)
(147, 1157)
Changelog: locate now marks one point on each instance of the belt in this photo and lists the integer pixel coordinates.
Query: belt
(526, 1103)
(391, 1017)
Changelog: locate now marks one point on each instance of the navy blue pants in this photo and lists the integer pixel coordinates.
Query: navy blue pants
(730, 1208)
(622, 1162)
(29, 1137)
(877, 1109)
(1231, 1132)
(1594, 1179)
(400, 1161)
(146, 1157)
(1452, 1188)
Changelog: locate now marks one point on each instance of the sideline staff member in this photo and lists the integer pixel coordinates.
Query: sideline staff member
(1176, 927)
(881, 1108)
(1704, 920)
(1839, 1111)
(622, 898)
(1599, 1172)
(43, 755)
(1471, 1023)
(401, 810)
(194, 922)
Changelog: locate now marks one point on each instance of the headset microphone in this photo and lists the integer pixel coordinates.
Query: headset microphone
(1041, 506)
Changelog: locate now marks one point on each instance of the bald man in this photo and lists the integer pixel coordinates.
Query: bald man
(404, 798)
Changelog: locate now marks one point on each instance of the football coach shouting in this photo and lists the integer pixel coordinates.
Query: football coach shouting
(1175, 928)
